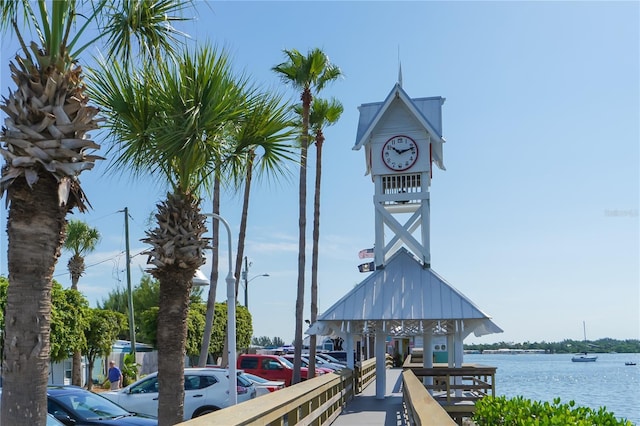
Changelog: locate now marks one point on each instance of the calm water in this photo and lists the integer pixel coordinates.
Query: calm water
(606, 382)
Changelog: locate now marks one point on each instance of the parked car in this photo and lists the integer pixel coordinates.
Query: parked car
(205, 391)
(341, 356)
(271, 367)
(52, 421)
(325, 363)
(329, 358)
(73, 405)
(264, 386)
(305, 364)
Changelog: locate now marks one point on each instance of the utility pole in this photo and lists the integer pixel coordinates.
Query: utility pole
(132, 326)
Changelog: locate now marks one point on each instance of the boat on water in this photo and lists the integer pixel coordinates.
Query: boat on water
(629, 363)
(584, 357)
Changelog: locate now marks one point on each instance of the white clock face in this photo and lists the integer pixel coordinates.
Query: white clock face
(400, 153)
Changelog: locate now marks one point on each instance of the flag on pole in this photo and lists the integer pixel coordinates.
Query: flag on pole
(367, 267)
(366, 253)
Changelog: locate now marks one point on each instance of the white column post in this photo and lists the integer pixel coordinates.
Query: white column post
(427, 355)
(426, 220)
(450, 350)
(379, 248)
(348, 340)
(459, 352)
(381, 364)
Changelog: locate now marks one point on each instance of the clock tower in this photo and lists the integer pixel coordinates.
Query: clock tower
(402, 140)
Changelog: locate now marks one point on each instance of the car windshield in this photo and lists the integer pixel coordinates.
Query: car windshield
(285, 361)
(330, 358)
(304, 361)
(243, 380)
(87, 405)
(255, 378)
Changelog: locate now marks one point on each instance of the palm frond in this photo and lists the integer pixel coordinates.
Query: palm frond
(174, 118)
(150, 23)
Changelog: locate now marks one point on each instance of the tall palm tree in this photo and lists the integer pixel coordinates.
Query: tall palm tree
(81, 239)
(323, 113)
(174, 120)
(305, 73)
(268, 119)
(46, 147)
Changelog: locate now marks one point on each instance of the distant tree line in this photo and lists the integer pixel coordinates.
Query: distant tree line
(146, 298)
(265, 341)
(567, 346)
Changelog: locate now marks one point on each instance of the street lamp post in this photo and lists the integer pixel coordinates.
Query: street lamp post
(132, 324)
(245, 276)
(231, 316)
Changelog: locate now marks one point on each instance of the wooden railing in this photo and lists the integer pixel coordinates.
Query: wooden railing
(317, 401)
(421, 408)
(457, 389)
(365, 373)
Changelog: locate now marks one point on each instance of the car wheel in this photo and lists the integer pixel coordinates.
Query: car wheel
(204, 410)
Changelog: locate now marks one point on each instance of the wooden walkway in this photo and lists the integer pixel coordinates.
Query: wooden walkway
(365, 409)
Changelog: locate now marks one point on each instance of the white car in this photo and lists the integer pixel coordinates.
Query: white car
(264, 386)
(205, 391)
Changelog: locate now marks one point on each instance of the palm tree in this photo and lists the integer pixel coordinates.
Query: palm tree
(268, 120)
(174, 119)
(305, 73)
(81, 239)
(46, 147)
(323, 113)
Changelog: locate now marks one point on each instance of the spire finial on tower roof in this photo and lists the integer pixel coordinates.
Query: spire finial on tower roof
(399, 68)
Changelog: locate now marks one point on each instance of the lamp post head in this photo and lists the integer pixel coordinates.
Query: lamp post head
(199, 279)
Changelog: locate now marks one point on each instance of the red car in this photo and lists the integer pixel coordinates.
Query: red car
(270, 367)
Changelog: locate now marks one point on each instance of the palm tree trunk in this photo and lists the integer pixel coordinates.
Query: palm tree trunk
(314, 254)
(36, 227)
(90, 363)
(213, 284)
(242, 233)
(172, 334)
(302, 225)
(76, 368)
(76, 360)
(177, 253)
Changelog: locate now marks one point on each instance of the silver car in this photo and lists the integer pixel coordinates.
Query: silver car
(205, 391)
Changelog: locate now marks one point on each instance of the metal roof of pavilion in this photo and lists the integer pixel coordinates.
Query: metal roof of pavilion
(404, 299)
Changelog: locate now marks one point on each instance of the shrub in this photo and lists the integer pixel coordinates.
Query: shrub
(518, 411)
(129, 370)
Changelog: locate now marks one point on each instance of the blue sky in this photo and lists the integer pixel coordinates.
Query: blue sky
(535, 218)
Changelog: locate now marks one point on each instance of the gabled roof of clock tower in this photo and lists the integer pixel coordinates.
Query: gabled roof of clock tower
(372, 113)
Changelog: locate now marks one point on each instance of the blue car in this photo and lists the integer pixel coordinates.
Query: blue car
(72, 405)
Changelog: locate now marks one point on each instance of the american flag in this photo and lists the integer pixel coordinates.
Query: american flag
(366, 253)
